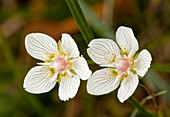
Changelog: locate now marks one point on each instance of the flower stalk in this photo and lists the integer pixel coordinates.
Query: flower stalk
(133, 114)
(80, 20)
(137, 105)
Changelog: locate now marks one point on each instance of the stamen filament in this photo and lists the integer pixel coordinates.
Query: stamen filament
(45, 64)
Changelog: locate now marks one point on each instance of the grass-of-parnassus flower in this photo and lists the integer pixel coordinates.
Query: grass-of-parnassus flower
(62, 63)
(123, 65)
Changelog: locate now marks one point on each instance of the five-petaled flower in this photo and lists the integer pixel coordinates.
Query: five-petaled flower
(123, 66)
(62, 64)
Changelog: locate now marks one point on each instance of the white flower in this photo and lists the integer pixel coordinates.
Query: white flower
(62, 64)
(123, 66)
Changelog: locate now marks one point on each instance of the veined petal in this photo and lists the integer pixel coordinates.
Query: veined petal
(68, 87)
(81, 68)
(127, 88)
(102, 82)
(37, 80)
(143, 62)
(126, 40)
(103, 51)
(40, 46)
(69, 46)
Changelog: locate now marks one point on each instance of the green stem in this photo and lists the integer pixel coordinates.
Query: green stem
(134, 113)
(151, 94)
(80, 20)
(134, 102)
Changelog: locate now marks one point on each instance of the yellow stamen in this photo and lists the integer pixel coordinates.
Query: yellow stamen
(112, 60)
(50, 72)
(133, 71)
(73, 72)
(50, 57)
(113, 72)
(133, 65)
(60, 50)
(63, 54)
(109, 78)
(124, 52)
(123, 76)
(69, 65)
(60, 76)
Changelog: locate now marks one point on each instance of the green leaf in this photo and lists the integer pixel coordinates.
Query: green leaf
(100, 29)
(161, 67)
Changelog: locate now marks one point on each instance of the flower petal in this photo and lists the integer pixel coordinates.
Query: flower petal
(126, 40)
(69, 46)
(143, 62)
(102, 82)
(40, 46)
(81, 68)
(127, 88)
(68, 87)
(102, 51)
(37, 80)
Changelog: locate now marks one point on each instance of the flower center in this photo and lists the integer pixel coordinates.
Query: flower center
(122, 64)
(59, 64)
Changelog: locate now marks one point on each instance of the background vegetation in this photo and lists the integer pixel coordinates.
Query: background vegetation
(150, 21)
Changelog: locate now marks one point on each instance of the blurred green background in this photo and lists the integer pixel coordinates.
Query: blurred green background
(149, 19)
